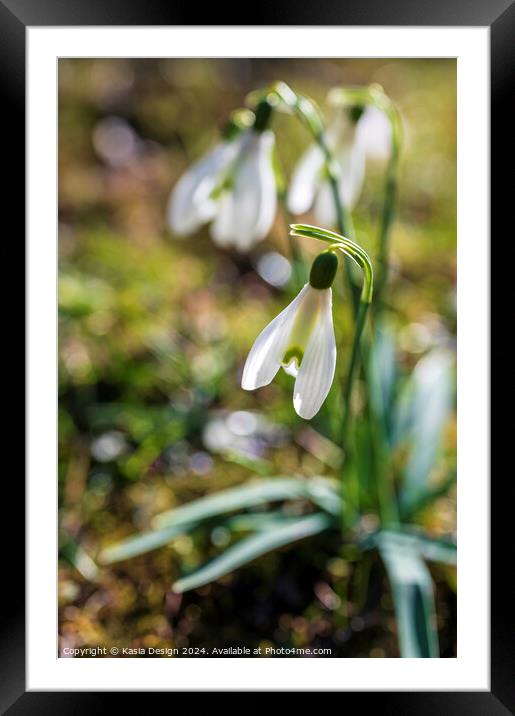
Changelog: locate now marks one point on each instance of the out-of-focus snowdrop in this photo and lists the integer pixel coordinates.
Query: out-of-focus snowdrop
(274, 268)
(374, 133)
(233, 188)
(247, 202)
(192, 203)
(356, 133)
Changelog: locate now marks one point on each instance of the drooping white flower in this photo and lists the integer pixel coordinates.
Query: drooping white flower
(374, 132)
(233, 187)
(248, 201)
(351, 141)
(301, 341)
(191, 202)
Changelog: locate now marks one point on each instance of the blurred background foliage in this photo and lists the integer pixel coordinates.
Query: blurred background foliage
(153, 333)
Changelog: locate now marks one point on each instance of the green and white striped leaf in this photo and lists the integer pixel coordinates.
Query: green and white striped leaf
(433, 549)
(238, 498)
(139, 544)
(257, 521)
(248, 549)
(431, 386)
(383, 373)
(413, 596)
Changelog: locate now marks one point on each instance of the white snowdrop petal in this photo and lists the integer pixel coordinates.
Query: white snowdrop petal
(317, 368)
(374, 133)
(222, 228)
(265, 357)
(190, 204)
(268, 188)
(352, 161)
(324, 209)
(305, 180)
(255, 199)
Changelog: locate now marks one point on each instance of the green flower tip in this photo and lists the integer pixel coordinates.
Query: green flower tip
(263, 113)
(355, 112)
(323, 270)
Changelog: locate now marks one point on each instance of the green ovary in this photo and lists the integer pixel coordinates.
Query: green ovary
(293, 353)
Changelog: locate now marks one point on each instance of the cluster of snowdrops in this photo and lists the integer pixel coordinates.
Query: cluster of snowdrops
(237, 189)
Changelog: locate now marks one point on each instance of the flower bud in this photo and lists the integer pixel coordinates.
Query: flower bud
(323, 270)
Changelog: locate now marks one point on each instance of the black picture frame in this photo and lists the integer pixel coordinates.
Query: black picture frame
(499, 16)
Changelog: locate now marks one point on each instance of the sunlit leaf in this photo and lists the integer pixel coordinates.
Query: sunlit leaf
(431, 385)
(407, 538)
(238, 498)
(255, 521)
(139, 544)
(383, 372)
(77, 556)
(248, 549)
(413, 597)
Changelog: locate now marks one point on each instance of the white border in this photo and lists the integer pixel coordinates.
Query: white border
(471, 669)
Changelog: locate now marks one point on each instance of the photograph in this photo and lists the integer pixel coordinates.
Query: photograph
(257, 322)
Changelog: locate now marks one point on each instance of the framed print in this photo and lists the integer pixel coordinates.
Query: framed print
(258, 355)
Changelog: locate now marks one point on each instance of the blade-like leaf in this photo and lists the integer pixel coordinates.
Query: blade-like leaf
(383, 373)
(235, 498)
(430, 548)
(77, 556)
(413, 597)
(252, 547)
(257, 521)
(430, 409)
(139, 544)
(325, 493)
(171, 524)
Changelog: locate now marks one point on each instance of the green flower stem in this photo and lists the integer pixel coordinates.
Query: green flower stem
(311, 117)
(363, 96)
(390, 197)
(361, 258)
(344, 221)
(374, 95)
(300, 274)
(347, 397)
(387, 499)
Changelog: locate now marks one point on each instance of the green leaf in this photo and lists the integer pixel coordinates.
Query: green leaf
(431, 385)
(383, 374)
(412, 590)
(77, 556)
(252, 547)
(139, 544)
(173, 523)
(257, 521)
(431, 548)
(237, 498)
(326, 494)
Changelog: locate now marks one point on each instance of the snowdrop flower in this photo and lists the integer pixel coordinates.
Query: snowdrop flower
(192, 203)
(233, 188)
(356, 134)
(247, 202)
(301, 341)
(374, 133)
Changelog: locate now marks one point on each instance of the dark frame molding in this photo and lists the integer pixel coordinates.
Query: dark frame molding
(499, 15)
